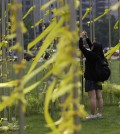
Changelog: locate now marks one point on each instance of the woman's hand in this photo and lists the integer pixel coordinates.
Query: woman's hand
(94, 41)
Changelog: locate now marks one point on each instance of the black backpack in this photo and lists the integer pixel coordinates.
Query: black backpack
(102, 70)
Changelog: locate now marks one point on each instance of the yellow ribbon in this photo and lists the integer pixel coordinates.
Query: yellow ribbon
(29, 11)
(116, 25)
(41, 20)
(110, 52)
(86, 13)
(3, 43)
(114, 7)
(96, 19)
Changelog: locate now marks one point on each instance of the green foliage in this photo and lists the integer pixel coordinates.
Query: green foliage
(108, 125)
(32, 105)
(6, 126)
(111, 93)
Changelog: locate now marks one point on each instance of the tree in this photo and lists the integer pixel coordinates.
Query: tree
(102, 31)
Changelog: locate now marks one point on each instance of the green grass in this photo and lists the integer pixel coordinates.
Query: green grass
(110, 124)
(115, 71)
(36, 125)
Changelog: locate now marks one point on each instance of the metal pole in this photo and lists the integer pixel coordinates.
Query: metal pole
(119, 19)
(93, 24)
(119, 31)
(109, 17)
(0, 41)
(42, 2)
(0, 24)
(73, 28)
(20, 58)
(34, 21)
(50, 14)
(62, 98)
(7, 32)
(42, 12)
(81, 59)
(11, 1)
(58, 5)
(4, 69)
(80, 10)
(91, 36)
(41, 17)
(6, 4)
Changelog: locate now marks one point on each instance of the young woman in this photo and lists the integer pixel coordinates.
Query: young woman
(92, 86)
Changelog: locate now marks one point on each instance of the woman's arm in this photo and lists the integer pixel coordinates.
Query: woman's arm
(87, 53)
(89, 43)
(88, 40)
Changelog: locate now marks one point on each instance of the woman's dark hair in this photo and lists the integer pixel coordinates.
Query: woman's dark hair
(97, 48)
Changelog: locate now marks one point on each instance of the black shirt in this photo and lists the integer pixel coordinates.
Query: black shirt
(90, 62)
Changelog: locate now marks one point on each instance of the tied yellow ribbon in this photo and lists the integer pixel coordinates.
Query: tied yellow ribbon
(41, 20)
(116, 25)
(3, 43)
(112, 8)
(29, 11)
(96, 19)
(109, 53)
(88, 10)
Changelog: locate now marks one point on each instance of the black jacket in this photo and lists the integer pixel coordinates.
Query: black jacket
(90, 62)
